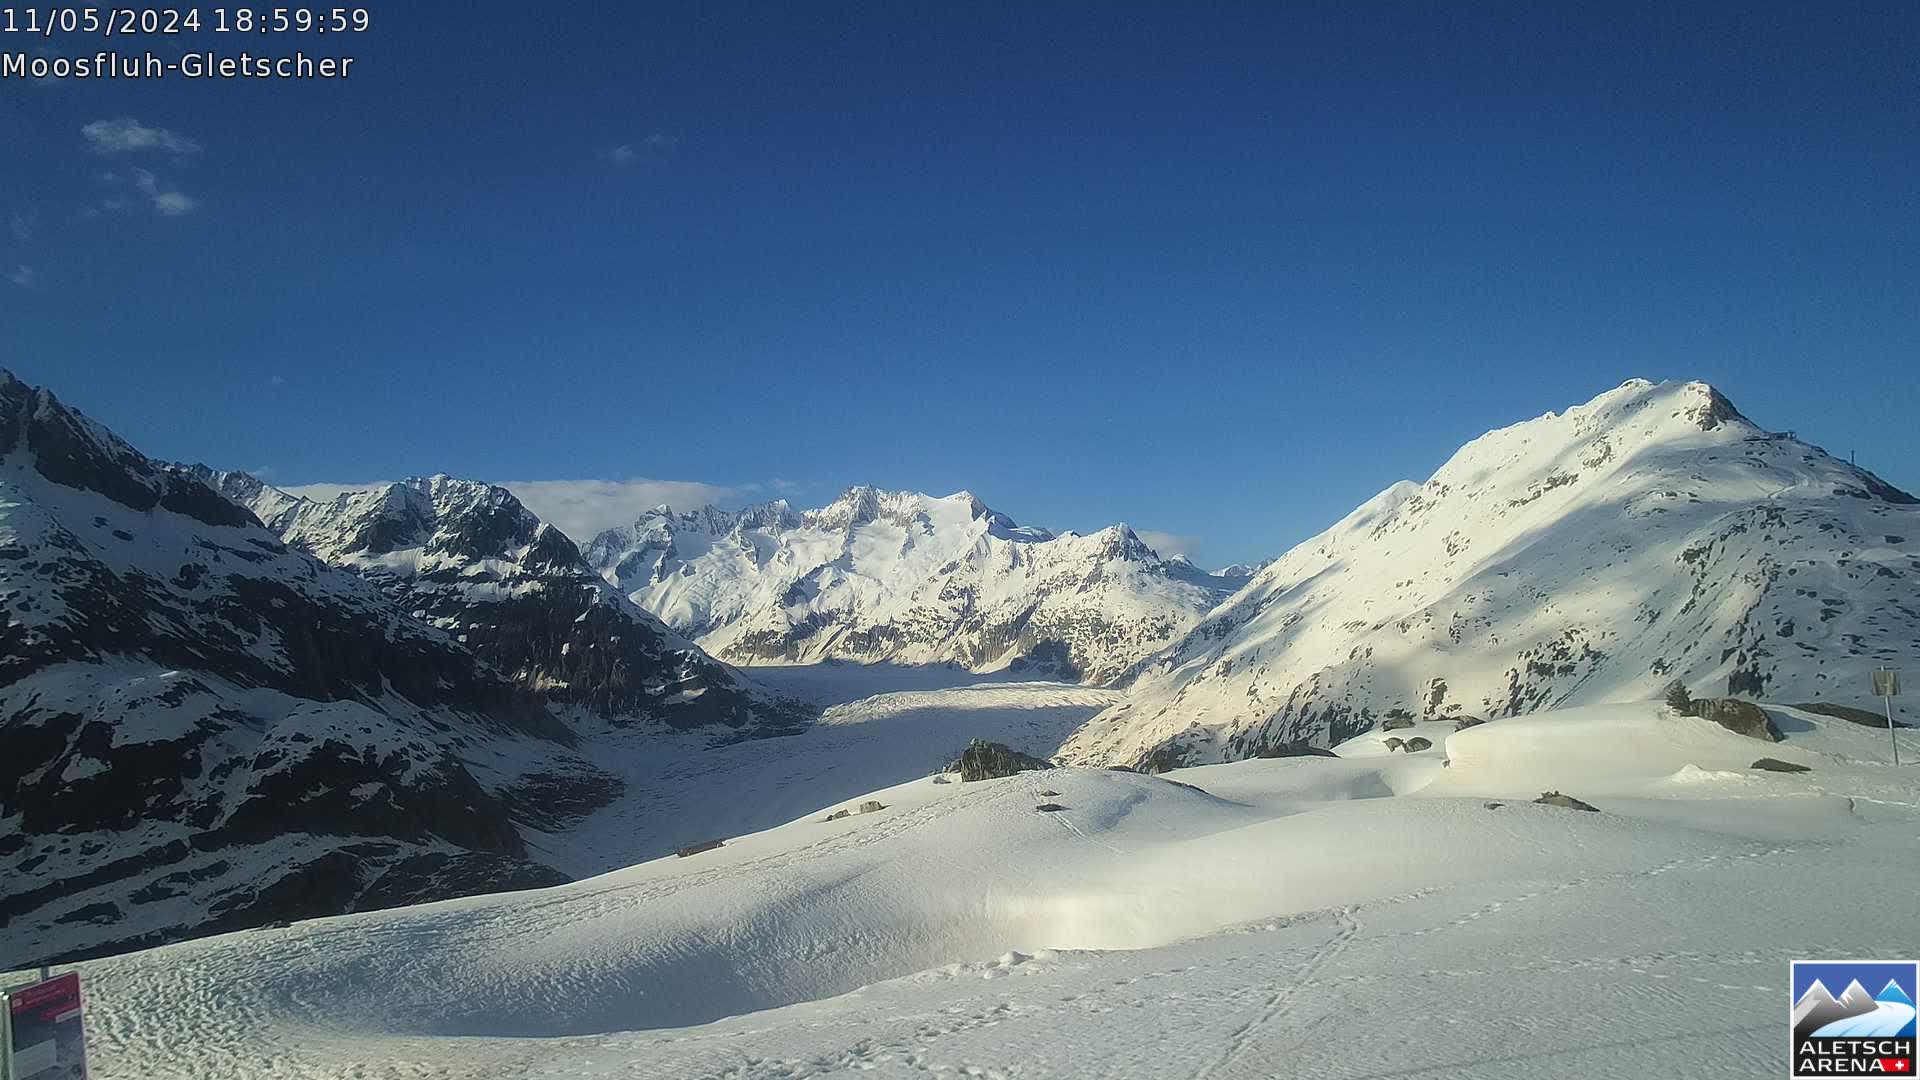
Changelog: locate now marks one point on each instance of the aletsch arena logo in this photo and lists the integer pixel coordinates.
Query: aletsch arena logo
(1854, 1018)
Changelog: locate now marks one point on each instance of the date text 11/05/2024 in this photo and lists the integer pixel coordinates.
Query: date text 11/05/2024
(126, 22)
(202, 65)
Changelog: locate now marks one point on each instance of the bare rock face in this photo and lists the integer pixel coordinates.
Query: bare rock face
(1652, 534)
(1739, 717)
(1767, 764)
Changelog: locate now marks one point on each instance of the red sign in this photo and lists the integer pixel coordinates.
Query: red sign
(45, 1037)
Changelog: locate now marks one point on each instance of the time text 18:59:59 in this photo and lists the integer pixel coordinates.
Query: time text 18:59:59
(118, 21)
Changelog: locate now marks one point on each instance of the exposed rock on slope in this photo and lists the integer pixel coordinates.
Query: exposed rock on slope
(1653, 533)
(468, 558)
(882, 575)
(201, 729)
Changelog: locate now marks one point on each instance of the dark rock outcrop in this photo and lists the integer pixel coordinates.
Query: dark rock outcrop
(1739, 717)
(983, 760)
(1295, 749)
(1554, 798)
(1863, 717)
(1767, 764)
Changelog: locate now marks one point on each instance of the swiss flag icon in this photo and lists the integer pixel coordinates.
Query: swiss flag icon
(1897, 1066)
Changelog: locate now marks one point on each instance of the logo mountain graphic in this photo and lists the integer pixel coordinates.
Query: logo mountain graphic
(1857, 1033)
(1854, 1014)
(1818, 1008)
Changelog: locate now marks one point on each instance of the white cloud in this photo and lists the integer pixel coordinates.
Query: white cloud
(1166, 543)
(654, 143)
(326, 492)
(581, 508)
(112, 204)
(125, 135)
(276, 380)
(24, 276)
(173, 204)
(166, 201)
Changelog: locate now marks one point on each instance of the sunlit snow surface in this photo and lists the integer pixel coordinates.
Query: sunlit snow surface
(1366, 916)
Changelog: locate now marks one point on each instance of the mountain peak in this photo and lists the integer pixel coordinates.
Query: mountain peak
(1592, 555)
(67, 448)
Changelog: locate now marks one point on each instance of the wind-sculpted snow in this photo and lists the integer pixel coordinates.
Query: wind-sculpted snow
(1259, 918)
(881, 575)
(1651, 534)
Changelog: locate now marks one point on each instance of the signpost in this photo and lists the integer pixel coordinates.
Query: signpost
(41, 1034)
(1886, 684)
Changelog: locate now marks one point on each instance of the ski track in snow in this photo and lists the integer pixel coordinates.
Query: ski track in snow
(1353, 918)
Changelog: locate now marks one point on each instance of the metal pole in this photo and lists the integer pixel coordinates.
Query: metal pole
(1891, 741)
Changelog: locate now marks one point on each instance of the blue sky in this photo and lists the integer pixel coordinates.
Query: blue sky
(1221, 274)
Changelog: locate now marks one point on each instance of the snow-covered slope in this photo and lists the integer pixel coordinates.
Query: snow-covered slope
(1651, 534)
(468, 558)
(201, 729)
(882, 575)
(1372, 915)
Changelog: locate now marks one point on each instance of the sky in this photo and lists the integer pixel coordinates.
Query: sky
(1220, 273)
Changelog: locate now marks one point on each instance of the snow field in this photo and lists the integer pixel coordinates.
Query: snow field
(1364, 916)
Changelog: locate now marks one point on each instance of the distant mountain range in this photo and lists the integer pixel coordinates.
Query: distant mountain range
(468, 558)
(893, 575)
(1653, 533)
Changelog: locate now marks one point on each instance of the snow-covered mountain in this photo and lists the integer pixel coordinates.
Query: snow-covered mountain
(201, 729)
(886, 575)
(1653, 533)
(468, 558)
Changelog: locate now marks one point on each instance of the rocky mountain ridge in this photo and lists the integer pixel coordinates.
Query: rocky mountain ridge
(469, 558)
(202, 729)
